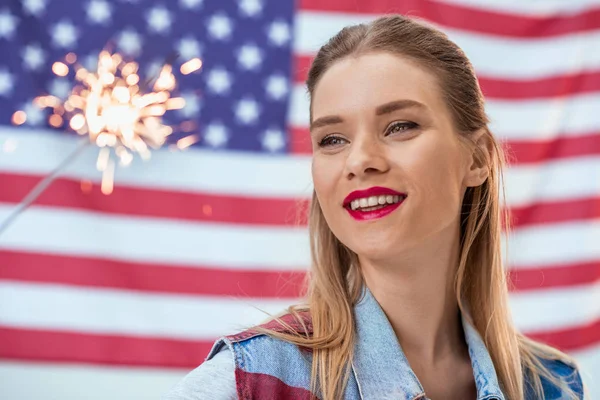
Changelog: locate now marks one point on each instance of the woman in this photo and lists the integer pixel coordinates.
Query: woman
(407, 297)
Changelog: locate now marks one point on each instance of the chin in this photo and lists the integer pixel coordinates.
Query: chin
(379, 248)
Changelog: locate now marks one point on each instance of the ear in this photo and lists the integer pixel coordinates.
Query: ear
(478, 168)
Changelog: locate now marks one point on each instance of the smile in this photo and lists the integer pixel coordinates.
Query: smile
(373, 203)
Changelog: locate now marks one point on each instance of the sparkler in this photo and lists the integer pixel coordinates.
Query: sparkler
(117, 112)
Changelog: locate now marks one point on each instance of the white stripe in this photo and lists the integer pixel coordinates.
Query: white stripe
(155, 240)
(39, 151)
(510, 120)
(533, 8)
(554, 244)
(527, 58)
(283, 177)
(566, 179)
(27, 381)
(106, 311)
(554, 309)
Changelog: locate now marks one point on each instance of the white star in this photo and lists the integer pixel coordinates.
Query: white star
(190, 4)
(8, 23)
(216, 135)
(98, 11)
(277, 87)
(249, 56)
(34, 7)
(35, 115)
(273, 140)
(6, 82)
(220, 27)
(130, 42)
(246, 111)
(60, 87)
(219, 81)
(64, 34)
(250, 8)
(279, 33)
(33, 57)
(192, 105)
(159, 20)
(188, 48)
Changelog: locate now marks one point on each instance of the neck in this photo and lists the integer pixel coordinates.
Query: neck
(416, 292)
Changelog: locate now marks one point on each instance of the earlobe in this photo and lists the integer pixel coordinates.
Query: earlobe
(476, 177)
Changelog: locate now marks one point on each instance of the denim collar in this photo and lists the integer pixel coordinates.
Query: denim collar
(382, 370)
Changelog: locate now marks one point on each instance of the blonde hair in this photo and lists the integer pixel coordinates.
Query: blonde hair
(334, 280)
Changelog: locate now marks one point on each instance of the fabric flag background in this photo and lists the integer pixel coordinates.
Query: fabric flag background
(119, 296)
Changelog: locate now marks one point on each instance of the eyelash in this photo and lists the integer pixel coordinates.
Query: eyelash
(325, 142)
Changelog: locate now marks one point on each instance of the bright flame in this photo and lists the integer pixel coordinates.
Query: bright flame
(192, 65)
(60, 69)
(19, 117)
(118, 115)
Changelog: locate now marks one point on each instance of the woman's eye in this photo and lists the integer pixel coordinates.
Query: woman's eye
(331, 141)
(401, 127)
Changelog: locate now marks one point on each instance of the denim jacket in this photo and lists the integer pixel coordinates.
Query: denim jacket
(268, 368)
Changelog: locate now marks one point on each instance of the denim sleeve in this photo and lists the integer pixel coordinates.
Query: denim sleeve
(212, 380)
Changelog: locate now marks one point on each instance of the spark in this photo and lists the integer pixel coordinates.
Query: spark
(118, 113)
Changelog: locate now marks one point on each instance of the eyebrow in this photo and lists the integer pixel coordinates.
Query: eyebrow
(386, 108)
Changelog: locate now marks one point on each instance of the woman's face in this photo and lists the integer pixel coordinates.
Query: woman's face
(381, 131)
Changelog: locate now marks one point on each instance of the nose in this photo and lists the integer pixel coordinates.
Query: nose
(366, 157)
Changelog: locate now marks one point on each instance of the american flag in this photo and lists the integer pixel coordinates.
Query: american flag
(119, 296)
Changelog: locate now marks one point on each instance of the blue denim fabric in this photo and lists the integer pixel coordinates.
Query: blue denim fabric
(380, 369)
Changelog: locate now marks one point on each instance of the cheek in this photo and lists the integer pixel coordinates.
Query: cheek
(440, 188)
(324, 179)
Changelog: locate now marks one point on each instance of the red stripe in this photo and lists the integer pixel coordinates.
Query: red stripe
(467, 18)
(537, 151)
(187, 206)
(570, 339)
(157, 203)
(254, 385)
(518, 151)
(106, 273)
(533, 278)
(57, 346)
(75, 347)
(555, 212)
(502, 89)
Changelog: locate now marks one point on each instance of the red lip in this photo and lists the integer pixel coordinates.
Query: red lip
(374, 191)
(374, 214)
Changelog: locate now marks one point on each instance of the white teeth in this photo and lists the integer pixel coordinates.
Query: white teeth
(374, 202)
